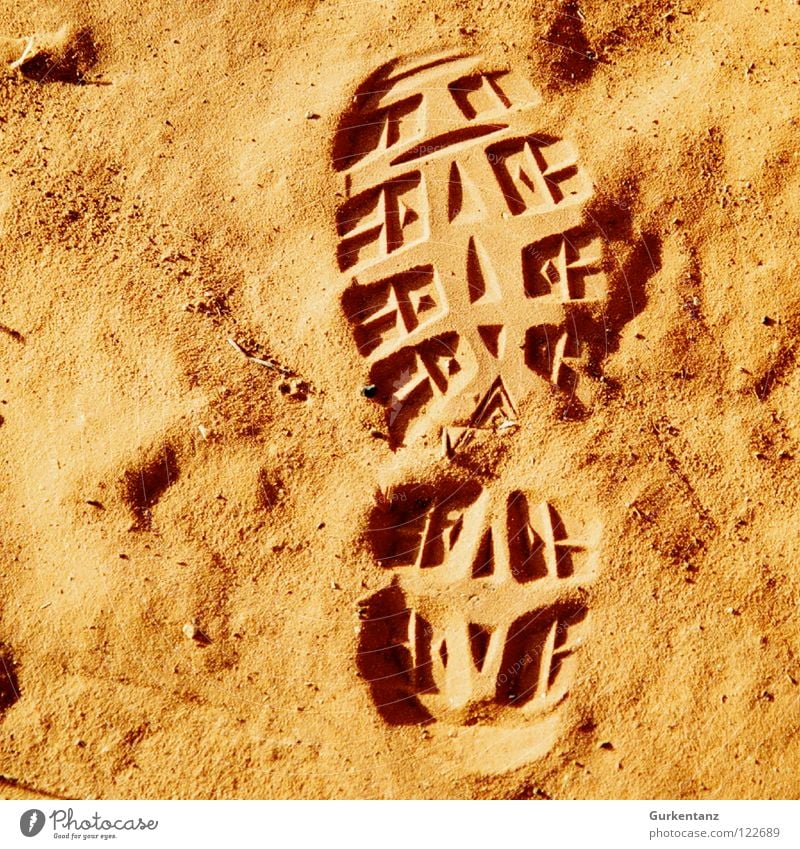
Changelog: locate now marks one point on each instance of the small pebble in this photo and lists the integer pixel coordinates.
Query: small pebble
(294, 388)
(190, 631)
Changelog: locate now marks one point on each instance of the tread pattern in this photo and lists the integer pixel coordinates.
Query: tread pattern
(486, 609)
(470, 278)
(462, 239)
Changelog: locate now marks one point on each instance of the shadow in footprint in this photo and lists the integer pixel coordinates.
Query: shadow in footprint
(531, 662)
(576, 60)
(65, 62)
(145, 485)
(384, 658)
(632, 259)
(415, 515)
(354, 139)
(9, 686)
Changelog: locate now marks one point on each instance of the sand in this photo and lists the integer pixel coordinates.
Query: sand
(397, 400)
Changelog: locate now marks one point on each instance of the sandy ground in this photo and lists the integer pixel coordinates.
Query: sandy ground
(495, 494)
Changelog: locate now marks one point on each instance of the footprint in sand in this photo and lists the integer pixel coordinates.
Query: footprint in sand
(64, 56)
(472, 281)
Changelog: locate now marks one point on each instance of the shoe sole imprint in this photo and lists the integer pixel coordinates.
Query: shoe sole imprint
(486, 610)
(468, 266)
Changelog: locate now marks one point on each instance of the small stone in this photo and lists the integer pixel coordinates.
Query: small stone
(369, 391)
(190, 631)
(311, 116)
(609, 747)
(293, 388)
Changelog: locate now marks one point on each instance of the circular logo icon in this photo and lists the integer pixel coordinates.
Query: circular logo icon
(31, 822)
